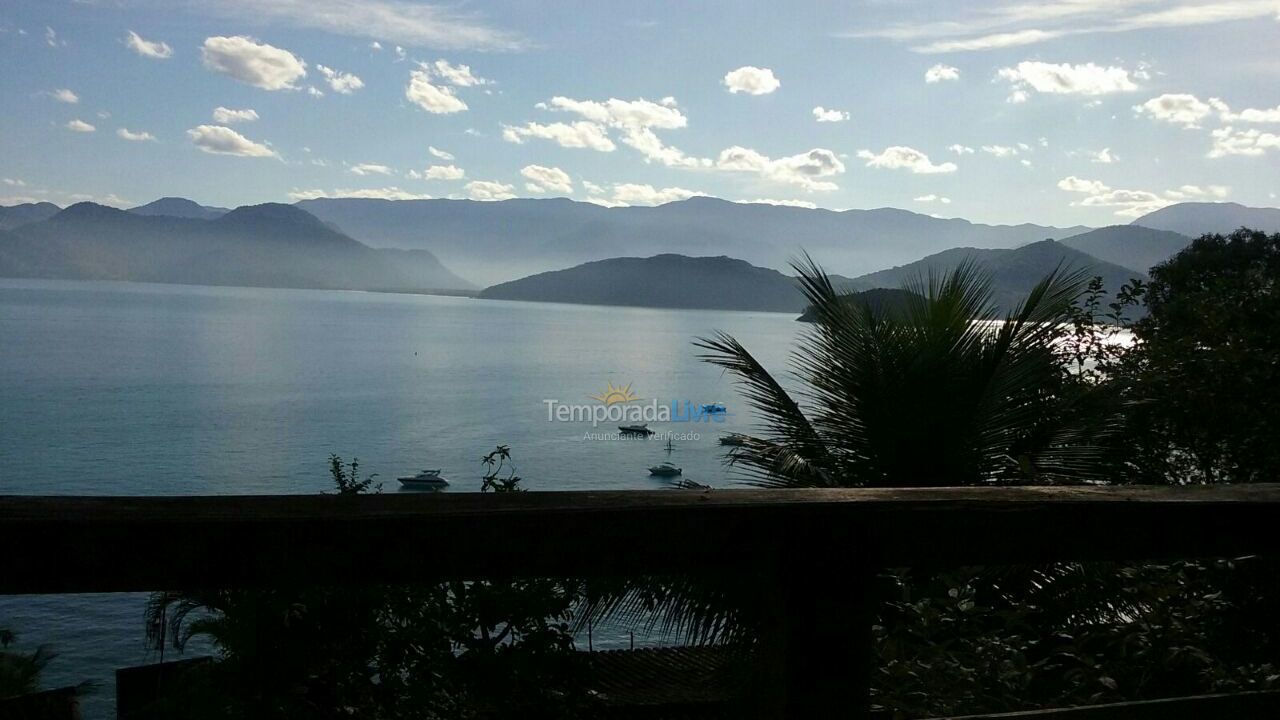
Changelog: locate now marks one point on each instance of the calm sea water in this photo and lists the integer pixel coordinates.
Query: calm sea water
(137, 389)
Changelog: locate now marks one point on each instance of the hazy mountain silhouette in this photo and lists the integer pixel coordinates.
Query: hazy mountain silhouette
(179, 207)
(269, 245)
(498, 241)
(1013, 272)
(661, 281)
(1196, 219)
(1131, 246)
(14, 215)
(881, 300)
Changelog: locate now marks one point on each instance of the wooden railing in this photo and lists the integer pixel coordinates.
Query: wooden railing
(815, 548)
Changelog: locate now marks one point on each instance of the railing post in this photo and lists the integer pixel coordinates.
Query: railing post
(818, 643)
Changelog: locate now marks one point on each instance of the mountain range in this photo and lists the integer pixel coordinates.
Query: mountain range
(1194, 219)
(268, 245)
(492, 242)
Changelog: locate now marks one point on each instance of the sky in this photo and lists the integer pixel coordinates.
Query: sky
(1076, 112)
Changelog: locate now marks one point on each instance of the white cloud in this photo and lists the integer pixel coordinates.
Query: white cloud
(1195, 192)
(253, 63)
(14, 182)
(436, 152)
(636, 120)
(900, 157)
(386, 193)
(1250, 143)
(1012, 23)
(1128, 203)
(444, 172)
(51, 38)
(371, 169)
(1064, 79)
(931, 198)
(1000, 151)
(546, 179)
(581, 134)
(805, 169)
(940, 72)
(1177, 108)
(636, 194)
(147, 48)
(751, 80)
(822, 114)
(141, 136)
(784, 203)
(437, 99)
(1103, 156)
(80, 126)
(961, 149)
(65, 96)
(459, 75)
(375, 46)
(407, 22)
(1249, 115)
(489, 190)
(314, 91)
(341, 82)
(218, 140)
(227, 116)
(592, 188)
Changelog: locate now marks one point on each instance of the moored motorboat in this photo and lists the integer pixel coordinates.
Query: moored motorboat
(638, 430)
(713, 408)
(424, 479)
(666, 469)
(733, 440)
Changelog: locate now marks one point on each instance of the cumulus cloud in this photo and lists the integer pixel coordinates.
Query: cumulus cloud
(1248, 115)
(436, 99)
(542, 179)
(1197, 192)
(488, 190)
(807, 169)
(637, 194)
(1103, 157)
(1177, 108)
(147, 48)
(65, 96)
(1134, 203)
(459, 75)
(227, 116)
(371, 169)
(961, 149)
(141, 136)
(751, 80)
(636, 120)
(900, 157)
(253, 63)
(581, 134)
(341, 82)
(1064, 79)
(436, 152)
(822, 114)
(1250, 143)
(784, 203)
(931, 198)
(385, 193)
(940, 72)
(80, 126)
(1000, 151)
(444, 172)
(219, 140)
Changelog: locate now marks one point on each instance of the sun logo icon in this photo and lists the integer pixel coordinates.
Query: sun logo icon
(614, 395)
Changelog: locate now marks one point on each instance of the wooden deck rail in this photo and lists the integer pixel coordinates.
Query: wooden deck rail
(818, 545)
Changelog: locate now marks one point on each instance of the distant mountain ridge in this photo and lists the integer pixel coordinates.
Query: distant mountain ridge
(270, 245)
(1131, 246)
(11, 216)
(1194, 219)
(498, 241)
(660, 281)
(1013, 272)
(179, 207)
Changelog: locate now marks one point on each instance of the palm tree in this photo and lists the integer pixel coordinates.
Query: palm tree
(940, 391)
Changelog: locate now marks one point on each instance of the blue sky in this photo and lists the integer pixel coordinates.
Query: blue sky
(1084, 111)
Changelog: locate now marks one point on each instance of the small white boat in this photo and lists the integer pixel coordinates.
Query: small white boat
(642, 430)
(425, 479)
(713, 408)
(666, 469)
